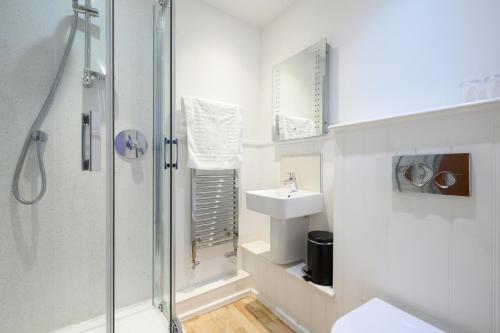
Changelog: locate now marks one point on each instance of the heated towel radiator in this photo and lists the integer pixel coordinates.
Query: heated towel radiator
(214, 210)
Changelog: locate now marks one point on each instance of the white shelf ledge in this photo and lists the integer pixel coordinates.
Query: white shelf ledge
(486, 105)
(257, 247)
(196, 291)
(262, 248)
(296, 270)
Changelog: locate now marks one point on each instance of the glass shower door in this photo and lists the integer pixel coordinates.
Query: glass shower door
(163, 161)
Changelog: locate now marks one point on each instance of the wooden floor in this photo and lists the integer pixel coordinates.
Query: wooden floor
(247, 315)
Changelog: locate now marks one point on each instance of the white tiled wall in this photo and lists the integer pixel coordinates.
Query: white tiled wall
(307, 170)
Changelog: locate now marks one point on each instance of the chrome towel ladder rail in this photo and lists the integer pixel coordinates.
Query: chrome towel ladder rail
(214, 210)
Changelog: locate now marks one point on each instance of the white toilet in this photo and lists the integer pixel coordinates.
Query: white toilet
(377, 316)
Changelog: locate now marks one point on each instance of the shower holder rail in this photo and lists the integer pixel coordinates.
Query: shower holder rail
(89, 75)
(214, 210)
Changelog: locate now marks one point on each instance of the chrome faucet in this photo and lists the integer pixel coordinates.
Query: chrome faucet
(291, 181)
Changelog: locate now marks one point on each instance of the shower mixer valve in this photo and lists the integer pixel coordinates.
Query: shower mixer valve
(131, 144)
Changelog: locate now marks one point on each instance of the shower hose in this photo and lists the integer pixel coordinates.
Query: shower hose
(36, 135)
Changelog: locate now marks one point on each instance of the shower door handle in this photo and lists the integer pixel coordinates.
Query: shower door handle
(91, 141)
(165, 145)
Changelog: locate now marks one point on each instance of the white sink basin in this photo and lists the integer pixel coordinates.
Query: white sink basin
(281, 204)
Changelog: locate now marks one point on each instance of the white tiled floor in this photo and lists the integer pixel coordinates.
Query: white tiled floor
(139, 318)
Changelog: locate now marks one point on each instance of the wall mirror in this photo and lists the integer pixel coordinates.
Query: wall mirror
(299, 94)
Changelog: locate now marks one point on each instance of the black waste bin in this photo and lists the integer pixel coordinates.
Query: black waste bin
(320, 257)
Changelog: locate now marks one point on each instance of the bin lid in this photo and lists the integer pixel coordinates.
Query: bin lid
(319, 236)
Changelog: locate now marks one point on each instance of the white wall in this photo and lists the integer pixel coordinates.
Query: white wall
(435, 256)
(217, 57)
(52, 254)
(388, 57)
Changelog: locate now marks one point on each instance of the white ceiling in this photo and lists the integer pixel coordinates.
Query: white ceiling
(256, 12)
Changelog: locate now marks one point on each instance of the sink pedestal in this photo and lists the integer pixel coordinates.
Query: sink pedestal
(288, 240)
(289, 224)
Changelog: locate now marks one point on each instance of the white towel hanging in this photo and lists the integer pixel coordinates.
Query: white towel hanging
(214, 134)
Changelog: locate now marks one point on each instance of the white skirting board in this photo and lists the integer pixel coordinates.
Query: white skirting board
(237, 296)
(196, 301)
(206, 308)
(281, 314)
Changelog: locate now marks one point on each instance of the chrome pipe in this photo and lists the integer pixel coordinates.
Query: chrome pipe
(221, 233)
(214, 243)
(212, 217)
(88, 74)
(214, 211)
(224, 192)
(217, 231)
(216, 222)
(216, 195)
(204, 240)
(87, 77)
(226, 187)
(230, 207)
(87, 35)
(232, 181)
(219, 224)
(87, 10)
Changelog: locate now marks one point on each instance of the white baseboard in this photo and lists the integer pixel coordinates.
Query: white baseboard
(214, 305)
(278, 312)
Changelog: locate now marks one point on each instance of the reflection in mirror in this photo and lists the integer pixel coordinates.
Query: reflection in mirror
(299, 95)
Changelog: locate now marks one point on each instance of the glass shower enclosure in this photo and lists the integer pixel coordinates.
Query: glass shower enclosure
(77, 215)
(164, 161)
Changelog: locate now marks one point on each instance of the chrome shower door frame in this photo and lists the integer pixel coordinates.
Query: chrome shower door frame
(110, 168)
(165, 172)
(164, 165)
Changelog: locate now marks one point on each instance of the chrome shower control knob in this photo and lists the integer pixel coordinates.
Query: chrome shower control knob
(131, 144)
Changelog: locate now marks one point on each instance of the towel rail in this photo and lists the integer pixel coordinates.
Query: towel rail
(214, 210)
(216, 222)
